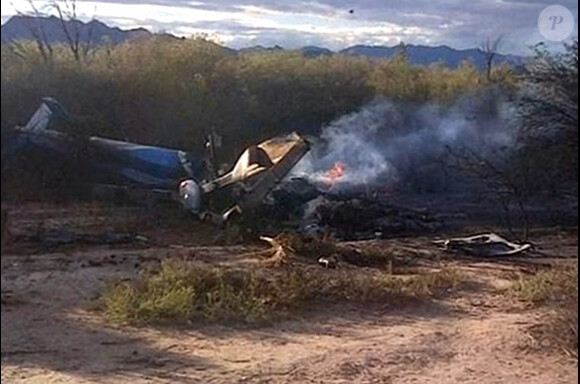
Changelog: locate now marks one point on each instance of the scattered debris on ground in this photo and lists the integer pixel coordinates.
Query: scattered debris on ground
(343, 214)
(486, 245)
(361, 218)
(51, 239)
(301, 307)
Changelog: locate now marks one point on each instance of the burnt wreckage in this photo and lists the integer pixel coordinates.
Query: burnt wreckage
(321, 206)
(187, 177)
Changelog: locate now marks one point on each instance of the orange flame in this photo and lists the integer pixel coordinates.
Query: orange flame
(335, 173)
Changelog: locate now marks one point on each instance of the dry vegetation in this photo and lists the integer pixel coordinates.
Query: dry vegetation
(171, 92)
(180, 292)
(556, 289)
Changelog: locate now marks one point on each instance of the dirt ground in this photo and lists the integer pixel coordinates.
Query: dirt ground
(51, 333)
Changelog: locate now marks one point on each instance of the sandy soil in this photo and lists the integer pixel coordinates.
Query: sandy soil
(51, 334)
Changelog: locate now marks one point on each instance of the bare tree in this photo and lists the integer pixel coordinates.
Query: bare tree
(37, 31)
(490, 49)
(500, 182)
(72, 27)
(548, 112)
(550, 104)
(402, 52)
(78, 38)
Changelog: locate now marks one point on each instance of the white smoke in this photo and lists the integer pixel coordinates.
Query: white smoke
(385, 141)
(350, 141)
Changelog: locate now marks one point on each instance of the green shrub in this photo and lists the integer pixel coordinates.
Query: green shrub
(180, 293)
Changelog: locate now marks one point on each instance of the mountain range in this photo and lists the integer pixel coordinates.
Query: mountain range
(53, 30)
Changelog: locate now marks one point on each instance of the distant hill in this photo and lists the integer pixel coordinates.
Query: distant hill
(312, 51)
(260, 49)
(417, 54)
(26, 27)
(425, 55)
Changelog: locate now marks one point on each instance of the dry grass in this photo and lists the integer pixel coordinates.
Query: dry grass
(556, 289)
(547, 286)
(394, 259)
(180, 293)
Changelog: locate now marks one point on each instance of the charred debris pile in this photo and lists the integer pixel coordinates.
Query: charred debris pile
(344, 214)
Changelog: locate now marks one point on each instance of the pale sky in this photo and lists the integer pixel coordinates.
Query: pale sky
(333, 24)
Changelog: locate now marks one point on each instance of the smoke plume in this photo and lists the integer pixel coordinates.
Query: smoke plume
(387, 142)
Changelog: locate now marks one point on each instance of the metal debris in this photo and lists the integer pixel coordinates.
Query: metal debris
(485, 245)
(357, 218)
(187, 177)
(328, 262)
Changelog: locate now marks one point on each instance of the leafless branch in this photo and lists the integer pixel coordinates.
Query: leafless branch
(37, 31)
(499, 182)
(490, 49)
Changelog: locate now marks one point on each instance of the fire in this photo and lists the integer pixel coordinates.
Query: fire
(335, 173)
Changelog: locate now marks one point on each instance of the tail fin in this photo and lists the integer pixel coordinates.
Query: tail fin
(19, 139)
(49, 113)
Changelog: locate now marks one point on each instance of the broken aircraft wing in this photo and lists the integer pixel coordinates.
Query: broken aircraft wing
(257, 172)
(262, 166)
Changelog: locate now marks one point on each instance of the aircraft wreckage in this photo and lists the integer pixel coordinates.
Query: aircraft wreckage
(187, 177)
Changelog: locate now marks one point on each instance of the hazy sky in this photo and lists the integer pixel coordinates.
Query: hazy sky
(334, 24)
